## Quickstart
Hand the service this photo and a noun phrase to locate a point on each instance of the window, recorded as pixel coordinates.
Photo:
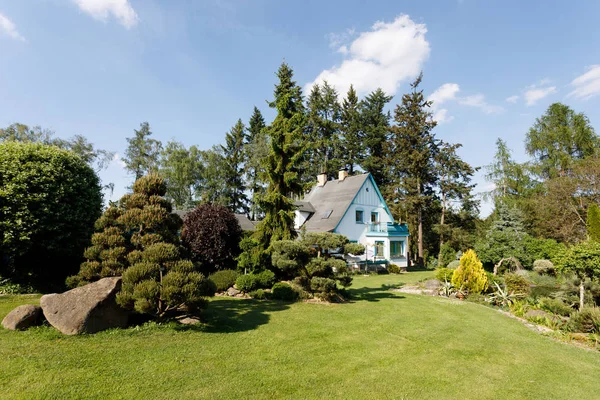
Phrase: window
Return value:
(396, 249)
(359, 216)
(326, 214)
(378, 249)
(374, 217)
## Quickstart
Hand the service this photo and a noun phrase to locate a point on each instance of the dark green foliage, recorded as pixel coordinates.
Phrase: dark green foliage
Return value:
(224, 279)
(355, 249)
(250, 282)
(290, 256)
(582, 260)
(232, 173)
(142, 154)
(447, 255)
(322, 285)
(393, 269)
(250, 259)
(49, 200)
(444, 274)
(544, 267)
(555, 306)
(182, 169)
(587, 320)
(593, 222)
(258, 294)
(517, 283)
(256, 148)
(265, 278)
(212, 235)
(352, 132)
(283, 291)
(541, 249)
(375, 128)
(281, 164)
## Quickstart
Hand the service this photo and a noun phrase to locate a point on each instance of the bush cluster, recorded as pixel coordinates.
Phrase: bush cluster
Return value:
(555, 306)
(544, 267)
(251, 282)
(393, 269)
(444, 274)
(224, 279)
(470, 274)
(517, 283)
(283, 291)
(586, 320)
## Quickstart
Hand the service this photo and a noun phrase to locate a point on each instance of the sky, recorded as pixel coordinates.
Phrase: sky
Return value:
(99, 68)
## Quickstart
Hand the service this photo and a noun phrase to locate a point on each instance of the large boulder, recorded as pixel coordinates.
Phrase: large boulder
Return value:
(90, 308)
(23, 317)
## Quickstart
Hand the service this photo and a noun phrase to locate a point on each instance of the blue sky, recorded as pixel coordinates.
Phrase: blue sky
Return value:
(192, 68)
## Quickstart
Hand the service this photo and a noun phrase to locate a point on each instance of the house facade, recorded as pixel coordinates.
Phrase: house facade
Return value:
(354, 207)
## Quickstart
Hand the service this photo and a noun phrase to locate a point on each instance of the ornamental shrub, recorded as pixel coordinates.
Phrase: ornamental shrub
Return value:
(49, 200)
(555, 306)
(447, 254)
(264, 279)
(393, 269)
(212, 234)
(517, 283)
(283, 291)
(587, 320)
(246, 283)
(137, 238)
(470, 274)
(444, 274)
(544, 267)
(258, 294)
(223, 279)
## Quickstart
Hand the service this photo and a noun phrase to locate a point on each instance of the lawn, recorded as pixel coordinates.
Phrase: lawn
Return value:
(381, 345)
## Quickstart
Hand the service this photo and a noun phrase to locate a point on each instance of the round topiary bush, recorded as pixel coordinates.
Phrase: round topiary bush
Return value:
(224, 279)
(283, 291)
(517, 283)
(212, 234)
(544, 267)
(49, 200)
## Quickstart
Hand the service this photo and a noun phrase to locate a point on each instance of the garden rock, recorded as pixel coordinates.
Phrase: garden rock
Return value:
(537, 314)
(86, 309)
(431, 284)
(232, 292)
(23, 317)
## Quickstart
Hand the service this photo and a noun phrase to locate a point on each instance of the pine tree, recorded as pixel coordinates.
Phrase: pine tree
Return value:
(351, 131)
(281, 165)
(470, 274)
(593, 222)
(142, 154)
(375, 123)
(233, 172)
(256, 150)
(412, 149)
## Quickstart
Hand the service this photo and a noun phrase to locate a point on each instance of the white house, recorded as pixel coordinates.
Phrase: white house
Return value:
(353, 206)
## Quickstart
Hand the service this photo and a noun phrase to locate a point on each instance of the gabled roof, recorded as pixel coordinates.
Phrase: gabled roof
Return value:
(331, 201)
(304, 206)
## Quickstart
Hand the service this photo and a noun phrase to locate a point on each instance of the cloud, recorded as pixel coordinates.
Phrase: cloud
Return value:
(102, 9)
(588, 84)
(9, 28)
(536, 92)
(446, 92)
(441, 116)
(385, 56)
(118, 160)
(478, 101)
(512, 99)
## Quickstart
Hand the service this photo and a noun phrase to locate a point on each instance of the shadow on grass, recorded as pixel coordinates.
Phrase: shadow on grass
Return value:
(239, 315)
(372, 294)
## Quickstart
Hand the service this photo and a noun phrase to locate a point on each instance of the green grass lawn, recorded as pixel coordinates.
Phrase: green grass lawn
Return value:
(381, 345)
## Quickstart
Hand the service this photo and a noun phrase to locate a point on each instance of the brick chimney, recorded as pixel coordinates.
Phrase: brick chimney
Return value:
(321, 179)
(342, 174)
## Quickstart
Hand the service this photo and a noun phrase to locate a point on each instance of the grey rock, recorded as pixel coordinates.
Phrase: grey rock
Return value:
(232, 292)
(86, 309)
(23, 317)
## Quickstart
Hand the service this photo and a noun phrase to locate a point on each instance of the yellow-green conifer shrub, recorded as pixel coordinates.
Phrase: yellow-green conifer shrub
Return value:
(470, 274)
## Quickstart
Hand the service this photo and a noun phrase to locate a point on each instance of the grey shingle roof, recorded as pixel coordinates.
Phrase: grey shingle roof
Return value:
(304, 206)
(331, 201)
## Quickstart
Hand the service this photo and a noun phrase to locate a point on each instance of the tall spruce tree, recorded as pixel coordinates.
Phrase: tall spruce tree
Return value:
(351, 132)
(412, 149)
(233, 172)
(143, 153)
(454, 184)
(323, 133)
(375, 124)
(281, 165)
(256, 150)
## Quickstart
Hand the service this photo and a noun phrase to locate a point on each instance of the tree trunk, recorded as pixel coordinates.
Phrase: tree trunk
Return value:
(581, 293)
(420, 226)
(442, 230)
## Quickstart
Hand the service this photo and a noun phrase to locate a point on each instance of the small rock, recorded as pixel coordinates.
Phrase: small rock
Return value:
(23, 317)
(90, 308)
(189, 321)
(232, 292)
(432, 284)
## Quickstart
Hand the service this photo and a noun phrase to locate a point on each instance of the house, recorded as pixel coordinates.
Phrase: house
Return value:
(354, 207)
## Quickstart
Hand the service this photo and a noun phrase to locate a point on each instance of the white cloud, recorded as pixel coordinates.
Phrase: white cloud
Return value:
(478, 101)
(118, 160)
(385, 56)
(538, 91)
(512, 99)
(444, 93)
(588, 84)
(9, 28)
(441, 116)
(102, 9)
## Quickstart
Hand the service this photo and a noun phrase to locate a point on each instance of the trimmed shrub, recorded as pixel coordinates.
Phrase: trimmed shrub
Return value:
(517, 283)
(544, 267)
(447, 254)
(283, 291)
(49, 200)
(453, 265)
(587, 320)
(555, 306)
(323, 285)
(356, 249)
(258, 294)
(470, 274)
(393, 269)
(444, 274)
(265, 279)
(224, 279)
(246, 283)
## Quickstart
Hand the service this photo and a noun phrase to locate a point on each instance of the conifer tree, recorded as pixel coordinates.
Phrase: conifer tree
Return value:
(375, 124)
(233, 172)
(593, 222)
(470, 274)
(142, 154)
(256, 150)
(351, 131)
(281, 165)
(412, 149)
